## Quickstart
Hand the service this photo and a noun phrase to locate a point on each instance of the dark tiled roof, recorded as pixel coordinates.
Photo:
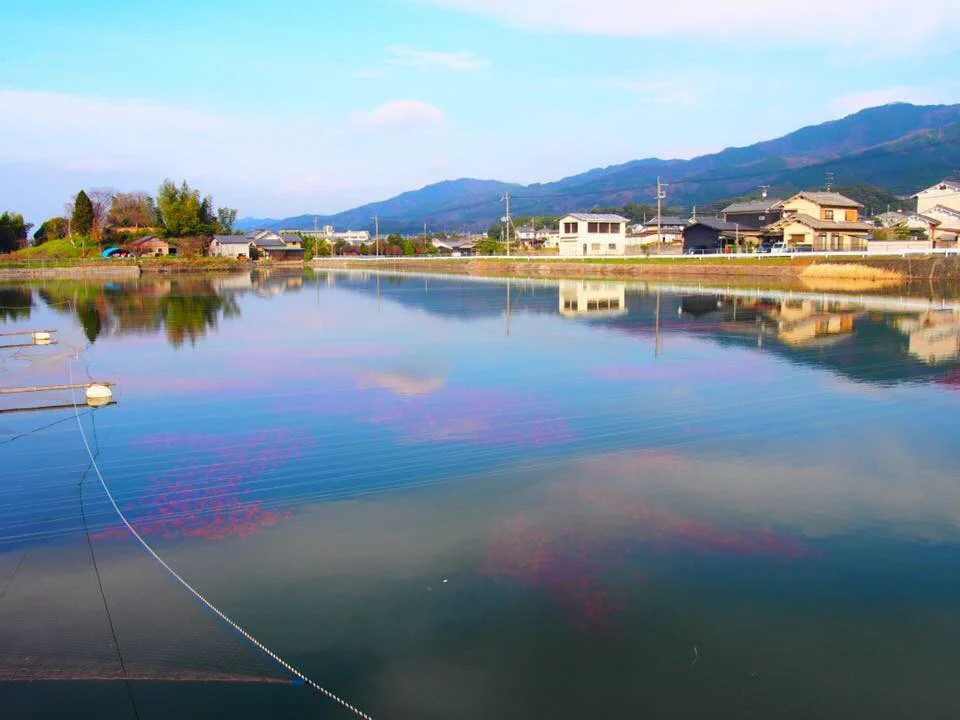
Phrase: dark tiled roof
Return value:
(232, 239)
(714, 224)
(753, 206)
(666, 220)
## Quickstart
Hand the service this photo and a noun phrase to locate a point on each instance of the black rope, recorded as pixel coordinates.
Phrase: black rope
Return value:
(96, 568)
(9, 582)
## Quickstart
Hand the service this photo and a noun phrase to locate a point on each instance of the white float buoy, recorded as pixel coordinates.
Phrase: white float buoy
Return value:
(39, 336)
(98, 392)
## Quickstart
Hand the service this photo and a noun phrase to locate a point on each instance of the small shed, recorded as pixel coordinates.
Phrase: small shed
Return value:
(151, 245)
(708, 235)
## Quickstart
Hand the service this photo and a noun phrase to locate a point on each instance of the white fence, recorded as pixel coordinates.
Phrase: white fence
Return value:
(900, 253)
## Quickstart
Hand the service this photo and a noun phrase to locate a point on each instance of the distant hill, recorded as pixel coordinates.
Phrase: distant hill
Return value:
(899, 148)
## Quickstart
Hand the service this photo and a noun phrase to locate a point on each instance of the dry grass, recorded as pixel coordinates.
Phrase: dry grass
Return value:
(850, 271)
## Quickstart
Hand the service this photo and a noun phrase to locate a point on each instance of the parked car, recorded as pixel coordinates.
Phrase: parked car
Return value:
(779, 248)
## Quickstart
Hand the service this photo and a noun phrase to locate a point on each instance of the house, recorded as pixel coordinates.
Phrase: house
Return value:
(456, 247)
(945, 193)
(151, 246)
(585, 298)
(592, 235)
(535, 236)
(822, 221)
(948, 230)
(291, 240)
(708, 235)
(232, 246)
(890, 219)
(271, 246)
(671, 230)
(328, 233)
(754, 214)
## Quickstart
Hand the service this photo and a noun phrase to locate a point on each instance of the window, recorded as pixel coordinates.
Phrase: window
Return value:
(592, 227)
(852, 216)
(605, 228)
(827, 215)
(612, 246)
(595, 247)
(615, 228)
(571, 228)
(762, 217)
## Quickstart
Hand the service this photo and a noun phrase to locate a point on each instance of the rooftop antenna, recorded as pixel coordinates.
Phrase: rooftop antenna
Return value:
(764, 191)
(829, 181)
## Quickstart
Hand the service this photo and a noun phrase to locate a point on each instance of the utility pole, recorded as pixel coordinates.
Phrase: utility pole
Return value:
(661, 195)
(506, 199)
(376, 230)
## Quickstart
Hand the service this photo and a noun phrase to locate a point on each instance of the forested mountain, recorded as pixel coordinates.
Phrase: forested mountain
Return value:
(898, 148)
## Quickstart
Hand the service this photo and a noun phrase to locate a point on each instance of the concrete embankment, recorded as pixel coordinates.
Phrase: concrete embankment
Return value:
(75, 272)
(929, 268)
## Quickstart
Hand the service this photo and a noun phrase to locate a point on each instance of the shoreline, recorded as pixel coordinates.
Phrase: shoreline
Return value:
(886, 270)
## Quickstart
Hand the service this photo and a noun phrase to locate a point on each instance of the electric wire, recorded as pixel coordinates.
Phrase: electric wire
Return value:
(213, 608)
(103, 596)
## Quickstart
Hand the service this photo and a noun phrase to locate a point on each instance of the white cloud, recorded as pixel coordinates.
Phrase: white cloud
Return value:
(461, 60)
(845, 22)
(672, 91)
(918, 94)
(400, 114)
(57, 142)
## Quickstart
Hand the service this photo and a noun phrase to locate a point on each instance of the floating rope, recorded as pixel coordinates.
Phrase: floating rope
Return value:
(196, 593)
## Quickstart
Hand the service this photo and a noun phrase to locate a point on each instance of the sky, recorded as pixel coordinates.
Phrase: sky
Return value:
(316, 106)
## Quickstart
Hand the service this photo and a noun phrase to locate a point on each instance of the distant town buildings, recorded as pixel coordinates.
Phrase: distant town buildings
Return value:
(328, 233)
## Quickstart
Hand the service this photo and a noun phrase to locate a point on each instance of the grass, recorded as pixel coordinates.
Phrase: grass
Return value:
(55, 250)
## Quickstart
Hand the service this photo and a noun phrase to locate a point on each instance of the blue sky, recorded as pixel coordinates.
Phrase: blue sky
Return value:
(316, 106)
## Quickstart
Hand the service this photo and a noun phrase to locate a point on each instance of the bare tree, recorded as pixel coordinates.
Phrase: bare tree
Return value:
(133, 209)
(102, 199)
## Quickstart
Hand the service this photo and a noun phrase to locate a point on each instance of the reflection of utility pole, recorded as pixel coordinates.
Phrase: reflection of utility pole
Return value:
(378, 292)
(656, 342)
(508, 306)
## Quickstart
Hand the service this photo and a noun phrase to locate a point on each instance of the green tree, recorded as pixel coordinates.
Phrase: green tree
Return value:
(82, 221)
(226, 217)
(13, 231)
(52, 229)
(182, 212)
(490, 246)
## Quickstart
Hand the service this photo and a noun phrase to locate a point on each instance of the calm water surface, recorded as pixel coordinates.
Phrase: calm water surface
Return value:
(446, 498)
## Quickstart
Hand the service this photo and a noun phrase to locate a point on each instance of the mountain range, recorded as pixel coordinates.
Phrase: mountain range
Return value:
(899, 148)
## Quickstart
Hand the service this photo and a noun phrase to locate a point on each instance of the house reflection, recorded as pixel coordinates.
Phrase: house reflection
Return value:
(934, 336)
(808, 323)
(580, 298)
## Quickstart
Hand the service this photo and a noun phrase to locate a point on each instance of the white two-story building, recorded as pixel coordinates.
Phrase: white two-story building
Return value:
(592, 235)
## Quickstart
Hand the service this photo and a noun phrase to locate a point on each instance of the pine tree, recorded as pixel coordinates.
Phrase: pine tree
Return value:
(82, 221)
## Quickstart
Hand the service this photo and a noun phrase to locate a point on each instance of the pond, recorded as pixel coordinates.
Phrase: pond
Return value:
(443, 497)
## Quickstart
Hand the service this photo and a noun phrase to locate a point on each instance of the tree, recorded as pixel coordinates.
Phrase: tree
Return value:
(132, 209)
(226, 217)
(182, 212)
(101, 199)
(13, 231)
(81, 223)
(489, 246)
(52, 229)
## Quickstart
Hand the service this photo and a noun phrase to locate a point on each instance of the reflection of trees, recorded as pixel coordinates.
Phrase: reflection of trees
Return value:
(15, 303)
(184, 309)
(187, 316)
